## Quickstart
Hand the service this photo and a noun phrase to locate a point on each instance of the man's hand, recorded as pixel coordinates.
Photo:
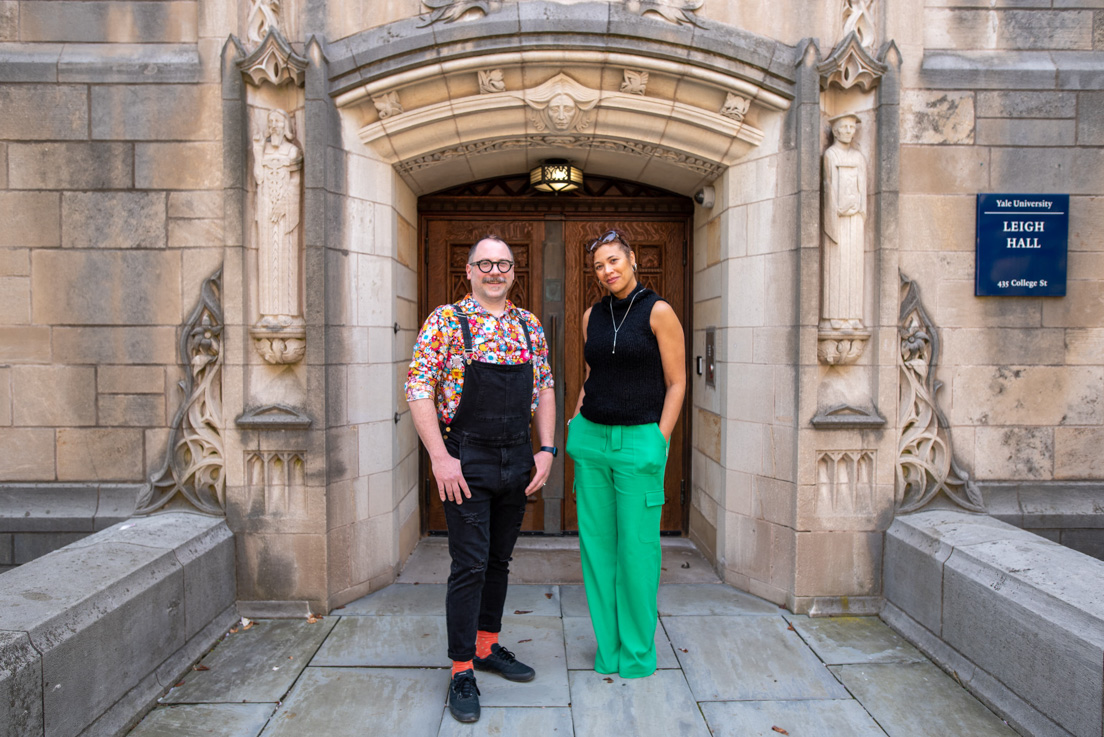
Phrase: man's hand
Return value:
(450, 479)
(543, 461)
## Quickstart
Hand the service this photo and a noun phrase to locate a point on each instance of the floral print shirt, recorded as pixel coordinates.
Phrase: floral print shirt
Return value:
(437, 371)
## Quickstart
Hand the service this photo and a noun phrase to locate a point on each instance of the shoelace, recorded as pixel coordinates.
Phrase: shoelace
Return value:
(506, 654)
(464, 685)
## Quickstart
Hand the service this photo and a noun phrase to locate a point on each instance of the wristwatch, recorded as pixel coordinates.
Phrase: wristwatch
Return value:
(549, 449)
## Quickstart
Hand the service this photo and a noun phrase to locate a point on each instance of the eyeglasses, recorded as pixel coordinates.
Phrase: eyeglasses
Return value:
(486, 265)
(608, 237)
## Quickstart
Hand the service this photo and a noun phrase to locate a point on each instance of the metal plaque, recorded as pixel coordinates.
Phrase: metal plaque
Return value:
(1022, 242)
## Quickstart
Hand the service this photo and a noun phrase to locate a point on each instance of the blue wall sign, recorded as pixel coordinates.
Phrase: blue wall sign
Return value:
(1022, 241)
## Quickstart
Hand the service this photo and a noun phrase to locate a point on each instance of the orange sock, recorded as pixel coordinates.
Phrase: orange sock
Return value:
(459, 666)
(483, 642)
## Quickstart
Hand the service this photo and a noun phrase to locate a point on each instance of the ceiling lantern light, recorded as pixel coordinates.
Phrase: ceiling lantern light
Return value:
(556, 175)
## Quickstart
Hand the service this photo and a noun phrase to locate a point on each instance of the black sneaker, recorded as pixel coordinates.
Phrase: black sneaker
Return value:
(503, 662)
(463, 697)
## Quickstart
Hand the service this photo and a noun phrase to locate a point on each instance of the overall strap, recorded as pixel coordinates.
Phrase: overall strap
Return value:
(528, 340)
(466, 330)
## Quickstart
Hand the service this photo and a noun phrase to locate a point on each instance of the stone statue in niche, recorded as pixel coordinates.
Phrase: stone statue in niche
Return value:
(277, 172)
(561, 104)
(842, 333)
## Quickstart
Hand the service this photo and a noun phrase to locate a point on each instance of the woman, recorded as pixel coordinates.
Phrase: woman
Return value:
(619, 438)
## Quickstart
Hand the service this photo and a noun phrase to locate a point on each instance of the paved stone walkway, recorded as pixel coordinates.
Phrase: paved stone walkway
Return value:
(730, 665)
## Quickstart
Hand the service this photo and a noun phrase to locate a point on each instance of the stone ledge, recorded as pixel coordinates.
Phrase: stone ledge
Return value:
(1014, 70)
(100, 63)
(1022, 618)
(112, 621)
(65, 507)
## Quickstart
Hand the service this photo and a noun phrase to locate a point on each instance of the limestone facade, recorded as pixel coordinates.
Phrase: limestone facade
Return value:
(127, 180)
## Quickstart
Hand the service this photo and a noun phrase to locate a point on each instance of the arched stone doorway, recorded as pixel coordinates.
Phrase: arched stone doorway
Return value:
(547, 234)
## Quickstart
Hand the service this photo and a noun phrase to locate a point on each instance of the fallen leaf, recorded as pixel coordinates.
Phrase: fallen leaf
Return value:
(246, 623)
(200, 667)
(684, 649)
(339, 607)
(607, 679)
(685, 565)
(314, 618)
(523, 611)
(779, 730)
(233, 630)
(548, 596)
(791, 628)
(663, 569)
(528, 640)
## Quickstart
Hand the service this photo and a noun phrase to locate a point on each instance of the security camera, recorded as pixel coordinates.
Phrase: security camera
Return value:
(705, 197)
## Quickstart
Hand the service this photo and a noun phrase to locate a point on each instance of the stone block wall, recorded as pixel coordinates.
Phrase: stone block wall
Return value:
(1006, 100)
(109, 133)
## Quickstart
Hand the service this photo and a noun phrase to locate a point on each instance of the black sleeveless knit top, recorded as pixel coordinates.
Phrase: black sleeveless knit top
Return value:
(625, 386)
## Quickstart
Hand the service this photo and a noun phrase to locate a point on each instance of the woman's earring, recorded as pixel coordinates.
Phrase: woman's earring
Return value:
(634, 268)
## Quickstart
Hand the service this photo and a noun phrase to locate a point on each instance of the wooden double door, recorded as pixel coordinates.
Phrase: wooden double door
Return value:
(555, 281)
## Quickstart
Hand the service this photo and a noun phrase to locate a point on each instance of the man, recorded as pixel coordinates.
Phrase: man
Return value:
(479, 375)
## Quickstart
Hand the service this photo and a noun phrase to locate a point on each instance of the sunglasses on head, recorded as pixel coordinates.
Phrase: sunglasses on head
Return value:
(608, 237)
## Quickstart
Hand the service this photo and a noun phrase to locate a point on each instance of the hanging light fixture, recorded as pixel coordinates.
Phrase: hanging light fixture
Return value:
(556, 175)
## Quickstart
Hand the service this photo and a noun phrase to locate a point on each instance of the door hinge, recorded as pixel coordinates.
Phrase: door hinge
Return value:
(685, 252)
(425, 247)
(682, 492)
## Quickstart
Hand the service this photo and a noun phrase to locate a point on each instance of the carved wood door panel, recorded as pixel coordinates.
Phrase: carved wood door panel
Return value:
(660, 248)
(447, 242)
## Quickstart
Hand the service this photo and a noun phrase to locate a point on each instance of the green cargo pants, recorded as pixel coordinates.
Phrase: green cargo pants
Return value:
(619, 498)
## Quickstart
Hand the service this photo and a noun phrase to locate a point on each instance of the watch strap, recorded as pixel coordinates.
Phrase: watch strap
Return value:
(549, 449)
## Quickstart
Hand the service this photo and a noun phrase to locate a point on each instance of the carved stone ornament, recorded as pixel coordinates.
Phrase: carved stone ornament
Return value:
(263, 16)
(695, 164)
(841, 334)
(452, 10)
(280, 333)
(925, 462)
(858, 18)
(273, 61)
(845, 483)
(674, 11)
(193, 476)
(851, 65)
(387, 104)
(735, 107)
(562, 105)
(491, 81)
(635, 82)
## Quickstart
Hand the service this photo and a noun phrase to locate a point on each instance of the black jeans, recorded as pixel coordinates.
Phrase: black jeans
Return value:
(481, 534)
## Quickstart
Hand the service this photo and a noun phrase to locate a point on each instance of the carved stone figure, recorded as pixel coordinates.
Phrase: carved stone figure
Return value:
(277, 172)
(635, 82)
(387, 104)
(844, 228)
(735, 107)
(561, 104)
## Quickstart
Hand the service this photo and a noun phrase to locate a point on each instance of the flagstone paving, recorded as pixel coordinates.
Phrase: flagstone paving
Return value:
(730, 665)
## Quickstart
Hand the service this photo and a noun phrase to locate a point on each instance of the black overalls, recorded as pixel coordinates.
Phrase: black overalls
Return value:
(491, 436)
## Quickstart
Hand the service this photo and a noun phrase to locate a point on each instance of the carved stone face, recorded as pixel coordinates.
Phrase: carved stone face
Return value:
(276, 127)
(844, 129)
(561, 112)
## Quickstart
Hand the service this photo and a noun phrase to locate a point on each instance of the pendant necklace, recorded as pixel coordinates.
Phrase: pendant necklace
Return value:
(617, 327)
